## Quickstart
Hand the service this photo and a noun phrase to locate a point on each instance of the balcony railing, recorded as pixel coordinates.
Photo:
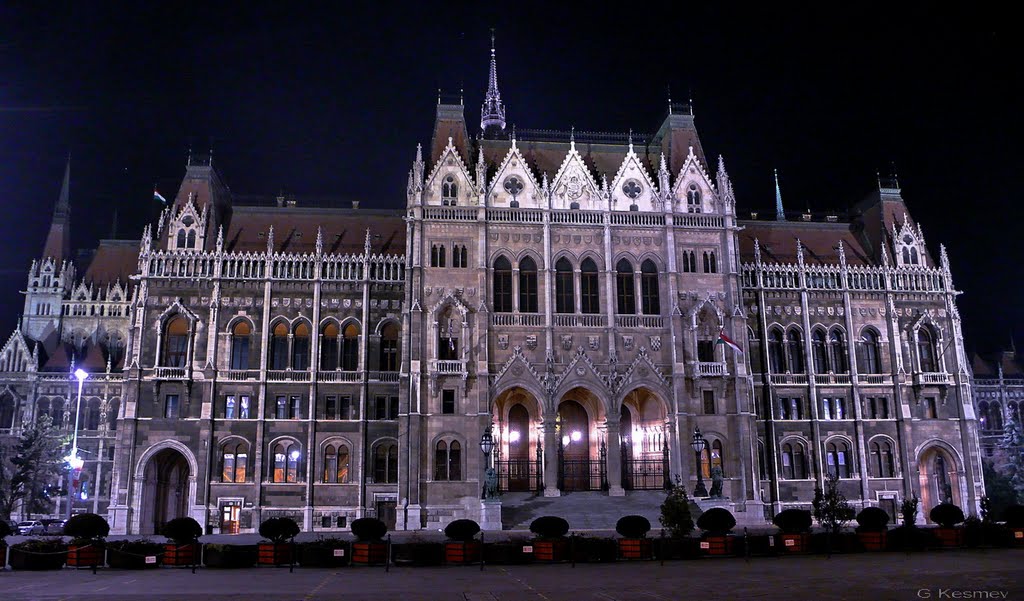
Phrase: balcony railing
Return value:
(710, 368)
(338, 376)
(581, 321)
(639, 321)
(287, 375)
(170, 373)
(239, 375)
(874, 379)
(840, 379)
(923, 378)
(790, 379)
(384, 376)
(450, 367)
(517, 319)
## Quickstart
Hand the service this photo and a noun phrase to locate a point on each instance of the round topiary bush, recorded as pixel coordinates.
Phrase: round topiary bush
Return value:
(5, 530)
(1013, 515)
(549, 526)
(633, 526)
(462, 530)
(369, 529)
(279, 530)
(872, 519)
(183, 530)
(716, 520)
(947, 515)
(86, 526)
(793, 521)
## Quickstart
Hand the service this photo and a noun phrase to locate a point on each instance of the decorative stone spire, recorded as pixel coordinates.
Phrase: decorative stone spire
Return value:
(58, 241)
(418, 167)
(481, 170)
(366, 244)
(757, 251)
(799, 252)
(270, 241)
(220, 238)
(780, 213)
(842, 253)
(319, 240)
(663, 176)
(943, 258)
(492, 114)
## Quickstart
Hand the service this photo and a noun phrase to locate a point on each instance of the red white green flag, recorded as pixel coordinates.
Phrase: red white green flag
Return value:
(723, 339)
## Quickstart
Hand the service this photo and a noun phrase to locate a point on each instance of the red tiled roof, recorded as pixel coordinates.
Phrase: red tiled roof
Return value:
(115, 260)
(820, 241)
(343, 230)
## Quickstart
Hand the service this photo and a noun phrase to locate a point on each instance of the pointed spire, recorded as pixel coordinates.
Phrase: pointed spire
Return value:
(780, 213)
(663, 175)
(842, 253)
(270, 241)
(943, 258)
(631, 140)
(757, 251)
(492, 114)
(58, 241)
(572, 138)
(319, 240)
(220, 238)
(366, 244)
(799, 252)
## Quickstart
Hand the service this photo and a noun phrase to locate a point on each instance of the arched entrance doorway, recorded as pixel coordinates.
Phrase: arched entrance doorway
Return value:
(518, 451)
(165, 490)
(938, 474)
(643, 443)
(582, 464)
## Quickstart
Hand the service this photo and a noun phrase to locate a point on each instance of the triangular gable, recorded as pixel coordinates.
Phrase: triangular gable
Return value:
(514, 165)
(455, 301)
(177, 307)
(693, 171)
(581, 358)
(633, 170)
(644, 359)
(15, 354)
(450, 161)
(575, 184)
(518, 356)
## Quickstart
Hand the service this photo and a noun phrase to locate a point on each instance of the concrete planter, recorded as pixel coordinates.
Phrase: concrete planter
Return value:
(636, 548)
(793, 543)
(872, 540)
(462, 552)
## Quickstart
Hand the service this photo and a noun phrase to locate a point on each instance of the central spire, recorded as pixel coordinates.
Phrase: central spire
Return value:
(492, 114)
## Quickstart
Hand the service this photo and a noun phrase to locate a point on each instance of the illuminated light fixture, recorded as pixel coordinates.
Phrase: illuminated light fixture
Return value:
(81, 374)
(295, 454)
(84, 496)
(577, 436)
(565, 441)
(75, 462)
(513, 436)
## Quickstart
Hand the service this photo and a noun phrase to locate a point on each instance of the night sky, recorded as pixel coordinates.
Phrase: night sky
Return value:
(331, 106)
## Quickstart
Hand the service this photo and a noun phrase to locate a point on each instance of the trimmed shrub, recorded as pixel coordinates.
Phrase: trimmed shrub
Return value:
(908, 511)
(39, 554)
(279, 530)
(716, 521)
(549, 526)
(793, 521)
(5, 530)
(86, 527)
(369, 529)
(947, 515)
(633, 526)
(1014, 516)
(183, 530)
(872, 519)
(675, 512)
(462, 530)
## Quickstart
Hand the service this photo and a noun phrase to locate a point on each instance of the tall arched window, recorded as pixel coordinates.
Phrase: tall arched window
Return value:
(191, 241)
(180, 239)
(300, 347)
(279, 346)
(872, 359)
(113, 407)
(717, 456)
(995, 416)
(336, 464)
(6, 412)
(650, 298)
(624, 288)
(234, 462)
(389, 347)
(689, 261)
(794, 465)
(448, 460)
(794, 351)
(176, 342)
(449, 191)
(837, 352)
(527, 286)
(882, 464)
(565, 288)
(92, 416)
(837, 459)
(502, 285)
(329, 347)
(240, 336)
(926, 350)
(776, 351)
(286, 456)
(385, 463)
(693, 199)
(589, 301)
(818, 351)
(350, 348)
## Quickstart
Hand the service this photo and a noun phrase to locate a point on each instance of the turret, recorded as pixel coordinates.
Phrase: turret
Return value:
(492, 114)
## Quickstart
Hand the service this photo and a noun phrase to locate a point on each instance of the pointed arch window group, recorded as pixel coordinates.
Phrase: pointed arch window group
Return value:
(525, 297)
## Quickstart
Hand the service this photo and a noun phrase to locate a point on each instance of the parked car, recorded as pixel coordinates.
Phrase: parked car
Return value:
(27, 526)
(48, 526)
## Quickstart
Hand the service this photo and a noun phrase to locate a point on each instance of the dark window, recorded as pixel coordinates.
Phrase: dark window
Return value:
(281, 408)
(776, 356)
(565, 297)
(341, 521)
(329, 347)
(527, 286)
(279, 347)
(171, 406)
(926, 351)
(350, 348)
(650, 303)
(624, 288)
(837, 459)
(380, 406)
(882, 464)
(393, 407)
(441, 460)
(92, 418)
(872, 360)
(336, 464)
(502, 285)
(448, 402)
(589, 302)
(240, 335)
(795, 351)
(705, 351)
(389, 348)
(385, 464)
(818, 351)
(300, 347)
(449, 191)
(331, 407)
(345, 408)
(837, 352)
(181, 239)
(709, 402)
(176, 342)
(447, 339)
(930, 409)
(448, 461)
(295, 407)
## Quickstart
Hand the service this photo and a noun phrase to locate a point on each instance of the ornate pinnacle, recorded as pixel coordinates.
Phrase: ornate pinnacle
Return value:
(492, 114)
(366, 245)
(220, 238)
(757, 251)
(270, 241)
(943, 258)
(842, 253)
(780, 213)
(799, 252)
(319, 240)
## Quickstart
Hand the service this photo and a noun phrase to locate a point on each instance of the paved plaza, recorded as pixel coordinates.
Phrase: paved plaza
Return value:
(992, 574)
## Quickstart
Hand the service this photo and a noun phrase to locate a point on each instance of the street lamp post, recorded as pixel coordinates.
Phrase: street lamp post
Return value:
(698, 444)
(75, 462)
(487, 447)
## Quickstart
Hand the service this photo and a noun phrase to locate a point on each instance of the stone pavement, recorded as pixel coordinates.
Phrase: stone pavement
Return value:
(990, 574)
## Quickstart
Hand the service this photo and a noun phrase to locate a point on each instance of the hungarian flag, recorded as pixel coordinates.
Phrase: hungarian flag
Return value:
(157, 196)
(723, 339)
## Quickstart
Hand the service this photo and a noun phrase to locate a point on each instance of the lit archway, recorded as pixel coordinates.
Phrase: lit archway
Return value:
(939, 477)
(165, 490)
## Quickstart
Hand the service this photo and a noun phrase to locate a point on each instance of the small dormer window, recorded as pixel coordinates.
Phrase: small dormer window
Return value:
(907, 251)
(449, 191)
(693, 199)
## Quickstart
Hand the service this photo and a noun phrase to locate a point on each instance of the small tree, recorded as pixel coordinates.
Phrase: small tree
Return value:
(1009, 458)
(830, 506)
(908, 512)
(675, 512)
(29, 466)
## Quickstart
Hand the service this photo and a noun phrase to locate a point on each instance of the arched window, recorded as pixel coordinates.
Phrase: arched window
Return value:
(449, 191)
(286, 461)
(235, 462)
(240, 335)
(113, 407)
(176, 342)
(926, 350)
(837, 352)
(502, 285)
(589, 302)
(389, 347)
(707, 263)
(794, 351)
(6, 412)
(191, 242)
(385, 463)
(794, 466)
(459, 256)
(872, 359)
(837, 459)
(92, 416)
(300, 347)
(650, 299)
(527, 286)
(279, 347)
(448, 460)
(717, 456)
(350, 348)
(776, 354)
(442, 255)
(818, 351)
(565, 288)
(624, 288)
(180, 239)
(882, 464)
(913, 256)
(693, 199)
(689, 261)
(329, 347)
(995, 416)
(336, 464)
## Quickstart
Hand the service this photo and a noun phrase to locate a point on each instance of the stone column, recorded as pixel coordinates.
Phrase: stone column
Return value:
(550, 457)
(614, 466)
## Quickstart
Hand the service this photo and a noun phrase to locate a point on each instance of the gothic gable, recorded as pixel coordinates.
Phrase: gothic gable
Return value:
(514, 183)
(632, 187)
(574, 186)
(449, 182)
(694, 192)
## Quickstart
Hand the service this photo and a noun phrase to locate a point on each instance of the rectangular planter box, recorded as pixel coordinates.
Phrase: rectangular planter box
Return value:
(229, 556)
(550, 550)
(793, 543)
(132, 561)
(594, 550)
(717, 545)
(510, 553)
(181, 555)
(274, 554)
(872, 540)
(314, 556)
(636, 548)
(461, 553)
(369, 554)
(949, 537)
(24, 560)
(85, 556)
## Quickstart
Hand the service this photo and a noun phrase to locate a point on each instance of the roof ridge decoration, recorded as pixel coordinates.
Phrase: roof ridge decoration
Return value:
(574, 190)
(725, 184)
(580, 355)
(16, 342)
(664, 179)
(450, 149)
